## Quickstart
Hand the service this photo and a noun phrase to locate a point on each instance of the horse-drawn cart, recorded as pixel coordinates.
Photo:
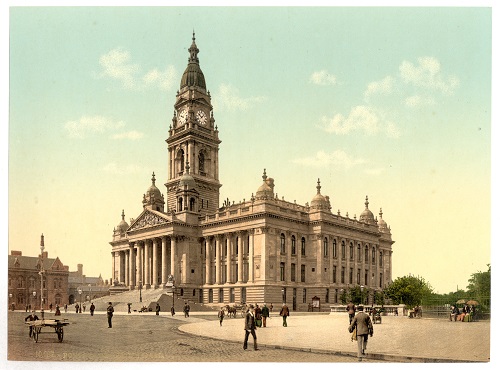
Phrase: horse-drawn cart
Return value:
(57, 325)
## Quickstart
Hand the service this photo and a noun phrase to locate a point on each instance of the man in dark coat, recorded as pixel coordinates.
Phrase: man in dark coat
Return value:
(157, 309)
(250, 328)
(186, 309)
(285, 312)
(351, 310)
(31, 317)
(364, 327)
(92, 309)
(109, 313)
(265, 314)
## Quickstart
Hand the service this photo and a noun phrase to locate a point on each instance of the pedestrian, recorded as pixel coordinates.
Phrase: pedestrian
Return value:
(364, 327)
(65, 308)
(77, 307)
(26, 308)
(58, 311)
(285, 313)
(84, 306)
(172, 310)
(250, 328)
(50, 307)
(31, 317)
(351, 310)
(157, 309)
(129, 305)
(109, 312)
(221, 315)
(271, 308)
(265, 314)
(186, 309)
(92, 309)
(258, 316)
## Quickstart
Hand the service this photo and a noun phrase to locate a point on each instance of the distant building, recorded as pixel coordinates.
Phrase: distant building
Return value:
(24, 279)
(91, 287)
(260, 249)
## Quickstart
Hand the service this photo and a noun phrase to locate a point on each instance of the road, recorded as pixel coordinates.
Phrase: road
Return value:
(139, 338)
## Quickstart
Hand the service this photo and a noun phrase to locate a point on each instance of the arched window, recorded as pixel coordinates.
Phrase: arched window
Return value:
(282, 244)
(192, 203)
(381, 259)
(325, 247)
(351, 251)
(180, 160)
(293, 245)
(303, 246)
(373, 255)
(201, 162)
(366, 253)
(343, 250)
(359, 252)
(179, 202)
(334, 251)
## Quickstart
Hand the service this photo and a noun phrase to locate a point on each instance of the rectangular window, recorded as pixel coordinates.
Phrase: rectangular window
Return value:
(221, 295)
(303, 247)
(293, 246)
(325, 248)
(334, 274)
(304, 295)
(366, 277)
(342, 275)
(381, 259)
(210, 296)
(334, 251)
(358, 277)
(302, 273)
(282, 271)
(380, 281)
(350, 275)
(292, 272)
(327, 296)
(231, 295)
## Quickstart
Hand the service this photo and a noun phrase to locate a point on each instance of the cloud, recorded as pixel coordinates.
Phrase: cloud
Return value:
(323, 78)
(417, 100)
(130, 169)
(427, 73)
(336, 160)
(384, 86)
(374, 171)
(228, 99)
(89, 125)
(129, 135)
(116, 64)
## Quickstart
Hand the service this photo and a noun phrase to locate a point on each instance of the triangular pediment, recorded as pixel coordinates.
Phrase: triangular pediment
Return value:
(149, 218)
(57, 265)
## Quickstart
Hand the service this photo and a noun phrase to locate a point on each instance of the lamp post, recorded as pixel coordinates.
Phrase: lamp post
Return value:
(42, 247)
(80, 292)
(140, 290)
(90, 292)
(12, 303)
(34, 299)
(362, 287)
(283, 295)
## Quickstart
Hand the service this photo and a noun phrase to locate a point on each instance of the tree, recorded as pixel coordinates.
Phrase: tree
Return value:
(409, 290)
(358, 295)
(480, 286)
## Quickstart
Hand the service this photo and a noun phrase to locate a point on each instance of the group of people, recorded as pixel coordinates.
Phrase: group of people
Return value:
(466, 314)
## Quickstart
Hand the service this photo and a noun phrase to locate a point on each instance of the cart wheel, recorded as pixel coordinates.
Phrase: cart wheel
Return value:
(36, 331)
(60, 334)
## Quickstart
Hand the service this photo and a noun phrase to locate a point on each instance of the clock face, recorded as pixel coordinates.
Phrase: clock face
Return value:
(201, 117)
(182, 117)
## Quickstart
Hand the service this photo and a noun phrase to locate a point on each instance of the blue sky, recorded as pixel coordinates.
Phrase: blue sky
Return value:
(393, 103)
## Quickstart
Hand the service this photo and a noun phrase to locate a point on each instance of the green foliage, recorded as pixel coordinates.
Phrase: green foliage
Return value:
(358, 295)
(409, 290)
(379, 298)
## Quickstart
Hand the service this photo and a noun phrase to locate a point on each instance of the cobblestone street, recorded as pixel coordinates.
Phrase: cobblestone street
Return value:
(139, 338)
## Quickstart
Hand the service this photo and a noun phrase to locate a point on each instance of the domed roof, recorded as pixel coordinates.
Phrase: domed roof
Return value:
(193, 76)
(266, 190)
(382, 225)
(122, 226)
(366, 215)
(153, 191)
(319, 201)
(186, 181)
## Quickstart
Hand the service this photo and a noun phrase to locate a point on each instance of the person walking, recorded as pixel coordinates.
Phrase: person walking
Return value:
(31, 317)
(77, 307)
(58, 311)
(172, 310)
(157, 309)
(92, 309)
(351, 310)
(258, 316)
(265, 315)
(109, 313)
(65, 308)
(250, 328)
(364, 327)
(221, 315)
(285, 313)
(186, 309)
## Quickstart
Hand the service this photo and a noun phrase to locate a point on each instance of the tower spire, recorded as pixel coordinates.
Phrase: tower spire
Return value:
(193, 51)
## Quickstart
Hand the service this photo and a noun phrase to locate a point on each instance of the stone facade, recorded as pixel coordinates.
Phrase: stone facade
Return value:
(263, 249)
(24, 278)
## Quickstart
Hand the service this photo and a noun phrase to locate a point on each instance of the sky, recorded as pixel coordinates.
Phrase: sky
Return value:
(389, 103)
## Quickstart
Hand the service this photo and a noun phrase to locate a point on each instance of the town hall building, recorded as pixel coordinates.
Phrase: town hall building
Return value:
(263, 249)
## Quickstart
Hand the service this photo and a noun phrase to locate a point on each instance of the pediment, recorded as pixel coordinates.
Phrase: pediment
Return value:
(57, 265)
(148, 219)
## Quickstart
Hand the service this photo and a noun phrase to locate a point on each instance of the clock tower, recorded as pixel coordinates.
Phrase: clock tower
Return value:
(193, 142)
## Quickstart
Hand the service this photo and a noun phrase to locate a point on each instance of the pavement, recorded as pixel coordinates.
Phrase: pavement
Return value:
(396, 339)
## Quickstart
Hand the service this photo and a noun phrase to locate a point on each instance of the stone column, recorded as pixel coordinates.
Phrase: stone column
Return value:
(319, 257)
(154, 283)
(113, 263)
(299, 259)
(251, 258)
(217, 241)
(131, 269)
(230, 247)
(164, 271)
(126, 268)
(138, 264)
(288, 268)
(240, 258)
(173, 259)
(207, 260)
(147, 265)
